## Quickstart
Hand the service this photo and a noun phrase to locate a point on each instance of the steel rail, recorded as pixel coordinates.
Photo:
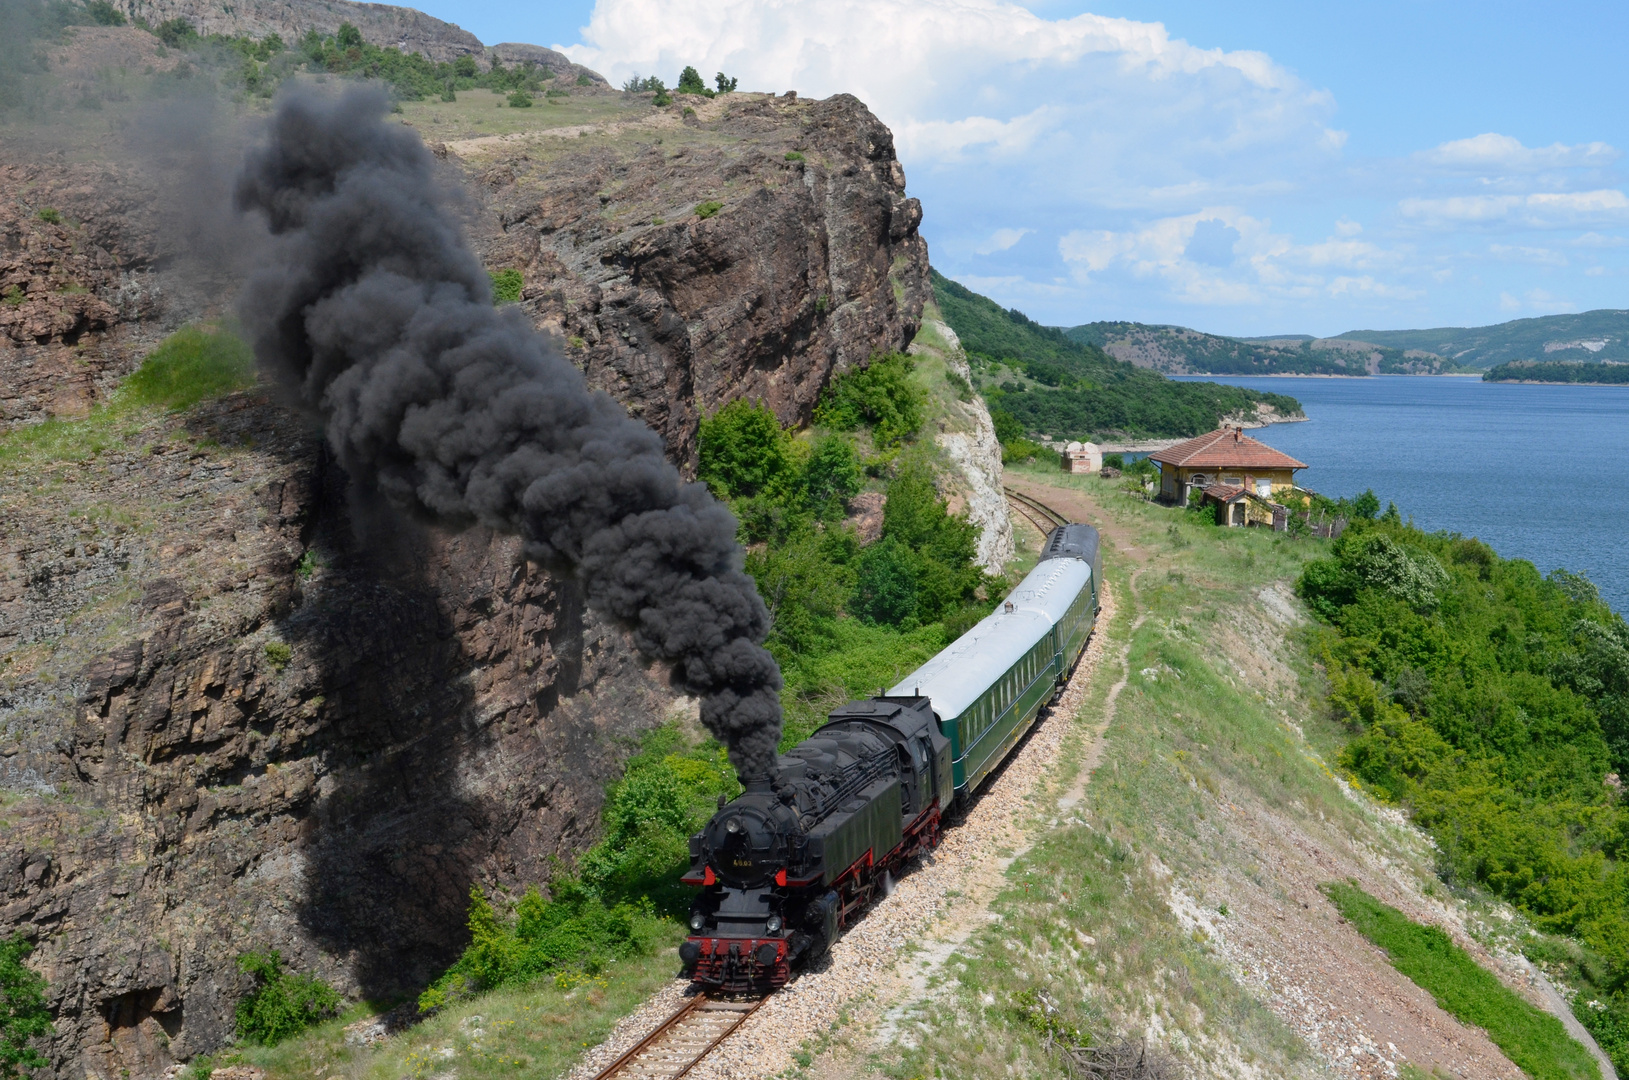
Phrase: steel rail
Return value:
(1036, 505)
(671, 1050)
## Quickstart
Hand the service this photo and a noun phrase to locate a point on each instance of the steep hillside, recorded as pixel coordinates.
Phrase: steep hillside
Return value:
(1060, 388)
(1176, 350)
(387, 25)
(242, 710)
(1591, 336)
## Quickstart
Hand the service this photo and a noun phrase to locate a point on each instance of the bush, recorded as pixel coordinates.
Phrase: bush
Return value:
(726, 85)
(793, 155)
(23, 1012)
(281, 1004)
(176, 33)
(103, 13)
(880, 396)
(742, 451)
(190, 365)
(278, 654)
(708, 209)
(50, 215)
(520, 99)
(506, 286)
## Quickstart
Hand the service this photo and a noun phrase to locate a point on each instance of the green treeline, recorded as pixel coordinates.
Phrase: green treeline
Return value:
(1055, 386)
(1558, 371)
(848, 616)
(1494, 703)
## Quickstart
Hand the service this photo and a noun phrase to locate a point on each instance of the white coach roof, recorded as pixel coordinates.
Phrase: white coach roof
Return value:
(955, 678)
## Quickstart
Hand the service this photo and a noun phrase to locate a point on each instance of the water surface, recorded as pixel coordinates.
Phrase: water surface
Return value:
(1538, 472)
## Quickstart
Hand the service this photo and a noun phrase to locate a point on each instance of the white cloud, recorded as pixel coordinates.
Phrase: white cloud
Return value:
(1509, 303)
(1523, 253)
(1535, 300)
(1115, 105)
(1221, 255)
(1346, 227)
(1002, 240)
(1540, 210)
(1597, 240)
(1503, 154)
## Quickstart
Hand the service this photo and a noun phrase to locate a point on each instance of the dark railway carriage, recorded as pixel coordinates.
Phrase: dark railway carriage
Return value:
(785, 866)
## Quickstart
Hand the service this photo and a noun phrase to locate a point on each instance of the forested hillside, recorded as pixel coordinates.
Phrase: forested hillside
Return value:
(1057, 387)
(1493, 703)
(1589, 336)
(1177, 350)
(1559, 371)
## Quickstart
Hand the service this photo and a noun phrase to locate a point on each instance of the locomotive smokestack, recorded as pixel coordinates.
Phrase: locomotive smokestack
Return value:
(374, 311)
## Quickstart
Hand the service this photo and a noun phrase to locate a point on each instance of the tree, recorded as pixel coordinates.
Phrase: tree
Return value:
(831, 476)
(742, 451)
(348, 37)
(23, 1013)
(464, 67)
(690, 83)
(726, 85)
(880, 396)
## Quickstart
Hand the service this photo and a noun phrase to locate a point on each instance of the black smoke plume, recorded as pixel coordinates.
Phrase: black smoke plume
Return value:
(372, 308)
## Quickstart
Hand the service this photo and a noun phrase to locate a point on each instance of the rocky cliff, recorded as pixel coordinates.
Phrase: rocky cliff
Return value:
(240, 711)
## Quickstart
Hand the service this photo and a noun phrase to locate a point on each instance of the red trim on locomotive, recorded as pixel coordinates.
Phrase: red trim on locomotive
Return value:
(732, 964)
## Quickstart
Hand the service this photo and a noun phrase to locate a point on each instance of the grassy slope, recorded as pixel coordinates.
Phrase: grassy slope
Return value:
(1532, 1039)
(1101, 395)
(1519, 339)
(1087, 919)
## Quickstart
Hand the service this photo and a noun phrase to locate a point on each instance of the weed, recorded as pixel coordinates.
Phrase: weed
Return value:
(13, 296)
(50, 215)
(308, 564)
(190, 365)
(793, 155)
(708, 209)
(278, 655)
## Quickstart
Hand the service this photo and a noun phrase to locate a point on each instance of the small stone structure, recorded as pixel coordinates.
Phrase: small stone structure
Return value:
(1081, 457)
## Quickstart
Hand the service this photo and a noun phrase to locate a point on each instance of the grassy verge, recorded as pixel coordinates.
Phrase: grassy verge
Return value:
(1532, 1039)
(535, 1030)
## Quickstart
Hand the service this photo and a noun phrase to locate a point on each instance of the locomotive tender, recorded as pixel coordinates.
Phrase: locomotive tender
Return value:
(784, 867)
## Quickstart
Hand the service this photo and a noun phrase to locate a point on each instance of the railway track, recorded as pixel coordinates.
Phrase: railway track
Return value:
(1040, 515)
(683, 1040)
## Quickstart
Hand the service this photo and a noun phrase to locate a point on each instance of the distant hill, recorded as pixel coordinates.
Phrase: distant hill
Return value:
(1595, 373)
(1061, 388)
(1592, 336)
(1177, 350)
(385, 25)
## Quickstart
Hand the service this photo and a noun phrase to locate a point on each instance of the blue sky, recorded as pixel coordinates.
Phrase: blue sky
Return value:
(1243, 169)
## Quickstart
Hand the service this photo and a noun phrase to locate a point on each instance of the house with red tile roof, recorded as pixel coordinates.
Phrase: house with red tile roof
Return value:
(1225, 458)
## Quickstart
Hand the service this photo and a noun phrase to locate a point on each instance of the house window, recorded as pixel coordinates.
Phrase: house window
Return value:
(1264, 488)
(1235, 481)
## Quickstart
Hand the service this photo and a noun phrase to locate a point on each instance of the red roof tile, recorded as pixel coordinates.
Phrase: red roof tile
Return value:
(1224, 492)
(1225, 448)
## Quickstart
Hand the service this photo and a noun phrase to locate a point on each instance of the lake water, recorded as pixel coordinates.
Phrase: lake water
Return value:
(1537, 472)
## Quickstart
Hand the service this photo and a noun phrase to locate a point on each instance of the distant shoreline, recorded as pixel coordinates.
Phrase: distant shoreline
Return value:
(1550, 382)
(1309, 375)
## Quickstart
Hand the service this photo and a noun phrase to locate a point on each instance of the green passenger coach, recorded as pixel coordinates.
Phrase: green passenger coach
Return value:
(991, 683)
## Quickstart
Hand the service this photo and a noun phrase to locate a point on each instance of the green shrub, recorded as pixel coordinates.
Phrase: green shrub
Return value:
(282, 1003)
(278, 654)
(558, 93)
(13, 296)
(742, 451)
(190, 365)
(1534, 1040)
(103, 13)
(880, 396)
(50, 215)
(520, 99)
(708, 209)
(506, 286)
(178, 33)
(24, 1016)
(726, 85)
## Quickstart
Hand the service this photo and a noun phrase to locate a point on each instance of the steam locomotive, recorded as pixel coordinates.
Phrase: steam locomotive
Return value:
(785, 866)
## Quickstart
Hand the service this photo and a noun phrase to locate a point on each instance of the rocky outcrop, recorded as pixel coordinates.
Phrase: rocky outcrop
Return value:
(966, 438)
(241, 711)
(747, 246)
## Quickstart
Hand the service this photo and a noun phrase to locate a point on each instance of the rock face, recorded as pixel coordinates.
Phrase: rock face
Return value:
(966, 437)
(240, 712)
(745, 246)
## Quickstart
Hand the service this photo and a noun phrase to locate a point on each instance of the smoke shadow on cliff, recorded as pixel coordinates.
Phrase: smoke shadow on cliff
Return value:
(405, 816)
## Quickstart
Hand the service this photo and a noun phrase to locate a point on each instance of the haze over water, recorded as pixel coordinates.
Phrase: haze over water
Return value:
(1537, 472)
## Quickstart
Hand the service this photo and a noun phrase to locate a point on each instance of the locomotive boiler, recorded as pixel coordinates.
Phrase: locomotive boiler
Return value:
(787, 864)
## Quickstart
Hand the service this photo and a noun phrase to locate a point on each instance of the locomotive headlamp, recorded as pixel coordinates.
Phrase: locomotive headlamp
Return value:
(697, 921)
(733, 825)
(774, 924)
